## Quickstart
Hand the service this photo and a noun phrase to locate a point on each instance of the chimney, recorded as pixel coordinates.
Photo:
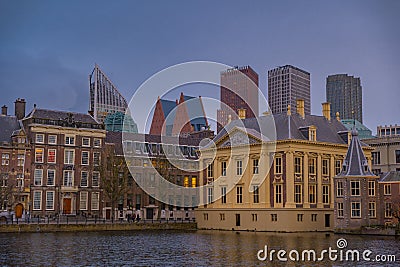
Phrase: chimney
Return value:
(242, 113)
(326, 110)
(20, 108)
(300, 107)
(4, 110)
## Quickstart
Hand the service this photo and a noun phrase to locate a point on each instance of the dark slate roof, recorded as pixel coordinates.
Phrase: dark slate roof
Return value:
(167, 106)
(289, 127)
(195, 111)
(8, 125)
(390, 177)
(57, 115)
(355, 163)
(116, 138)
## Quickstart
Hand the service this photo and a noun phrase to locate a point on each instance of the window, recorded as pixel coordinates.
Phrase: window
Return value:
(311, 166)
(222, 216)
(387, 189)
(299, 217)
(312, 193)
(340, 209)
(223, 168)
(194, 181)
(52, 139)
(83, 200)
(70, 140)
(325, 167)
(388, 210)
(20, 180)
(84, 179)
(210, 192)
(205, 216)
(278, 165)
(68, 178)
(37, 200)
(85, 141)
(313, 217)
(297, 165)
(255, 166)
(256, 194)
(51, 156)
(85, 157)
(355, 188)
(97, 142)
(278, 193)
(372, 209)
(313, 134)
(338, 166)
(5, 159)
(69, 156)
(355, 209)
(210, 170)
(40, 138)
(50, 200)
(397, 153)
(339, 192)
(298, 193)
(371, 188)
(39, 155)
(185, 180)
(37, 177)
(239, 194)
(51, 177)
(96, 159)
(376, 158)
(20, 160)
(274, 217)
(239, 167)
(95, 201)
(254, 217)
(223, 195)
(95, 179)
(325, 194)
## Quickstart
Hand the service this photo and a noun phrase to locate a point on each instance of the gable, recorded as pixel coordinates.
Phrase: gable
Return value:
(237, 138)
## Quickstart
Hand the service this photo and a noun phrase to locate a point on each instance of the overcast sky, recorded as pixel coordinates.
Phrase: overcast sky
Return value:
(48, 48)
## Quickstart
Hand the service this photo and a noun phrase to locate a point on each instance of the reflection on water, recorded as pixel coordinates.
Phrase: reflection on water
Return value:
(170, 248)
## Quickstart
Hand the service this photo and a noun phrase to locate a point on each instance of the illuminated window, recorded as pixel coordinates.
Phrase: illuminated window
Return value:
(186, 181)
(39, 155)
(194, 181)
(51, 156)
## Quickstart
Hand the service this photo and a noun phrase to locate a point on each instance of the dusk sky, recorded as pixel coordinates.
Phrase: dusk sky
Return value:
(48, 48)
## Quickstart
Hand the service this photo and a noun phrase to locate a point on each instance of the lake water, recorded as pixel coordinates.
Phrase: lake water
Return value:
(177, 248)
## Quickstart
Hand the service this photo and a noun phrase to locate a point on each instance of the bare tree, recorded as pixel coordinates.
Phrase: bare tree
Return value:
(7, 188)
(396, 209)
(114, 182)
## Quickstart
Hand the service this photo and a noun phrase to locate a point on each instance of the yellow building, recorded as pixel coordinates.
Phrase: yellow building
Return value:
(253, 183)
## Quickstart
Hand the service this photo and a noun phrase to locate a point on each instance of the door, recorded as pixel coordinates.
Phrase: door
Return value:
(108, 214)
(237, 219)
(149, 214)
(66, 206)
(327, 220)
(19, 208)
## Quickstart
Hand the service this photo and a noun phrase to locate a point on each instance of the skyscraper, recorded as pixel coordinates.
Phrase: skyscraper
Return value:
(286, 84)
(238, 92)
(104, 96)
(344, 92)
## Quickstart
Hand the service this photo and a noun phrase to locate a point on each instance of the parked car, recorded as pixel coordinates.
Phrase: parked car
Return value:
(5, 216)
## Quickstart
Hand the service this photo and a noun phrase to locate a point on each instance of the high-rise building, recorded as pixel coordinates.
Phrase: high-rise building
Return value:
(104, 96)
(344, 92)
(286, 84)
(239, 91)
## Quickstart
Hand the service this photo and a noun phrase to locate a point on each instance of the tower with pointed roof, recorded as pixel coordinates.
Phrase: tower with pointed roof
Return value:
(356, 190)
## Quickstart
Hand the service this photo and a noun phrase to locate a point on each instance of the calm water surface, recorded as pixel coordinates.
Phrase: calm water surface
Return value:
(156, 248)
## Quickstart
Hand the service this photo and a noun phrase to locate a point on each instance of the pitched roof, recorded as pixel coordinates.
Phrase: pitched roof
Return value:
(390, 177)
(290, 127)
(355, 163)
(60, 115)
(8, 125)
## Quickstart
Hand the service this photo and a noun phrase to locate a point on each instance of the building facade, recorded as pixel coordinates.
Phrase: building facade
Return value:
(239, 91)
(65, 163)
(104, 96)
(386, 154)
(344, 92)
(283, 185)
(286, 84)
(15, 167)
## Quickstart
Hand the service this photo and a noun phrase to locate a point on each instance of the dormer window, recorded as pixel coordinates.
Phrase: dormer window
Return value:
(312, 133)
